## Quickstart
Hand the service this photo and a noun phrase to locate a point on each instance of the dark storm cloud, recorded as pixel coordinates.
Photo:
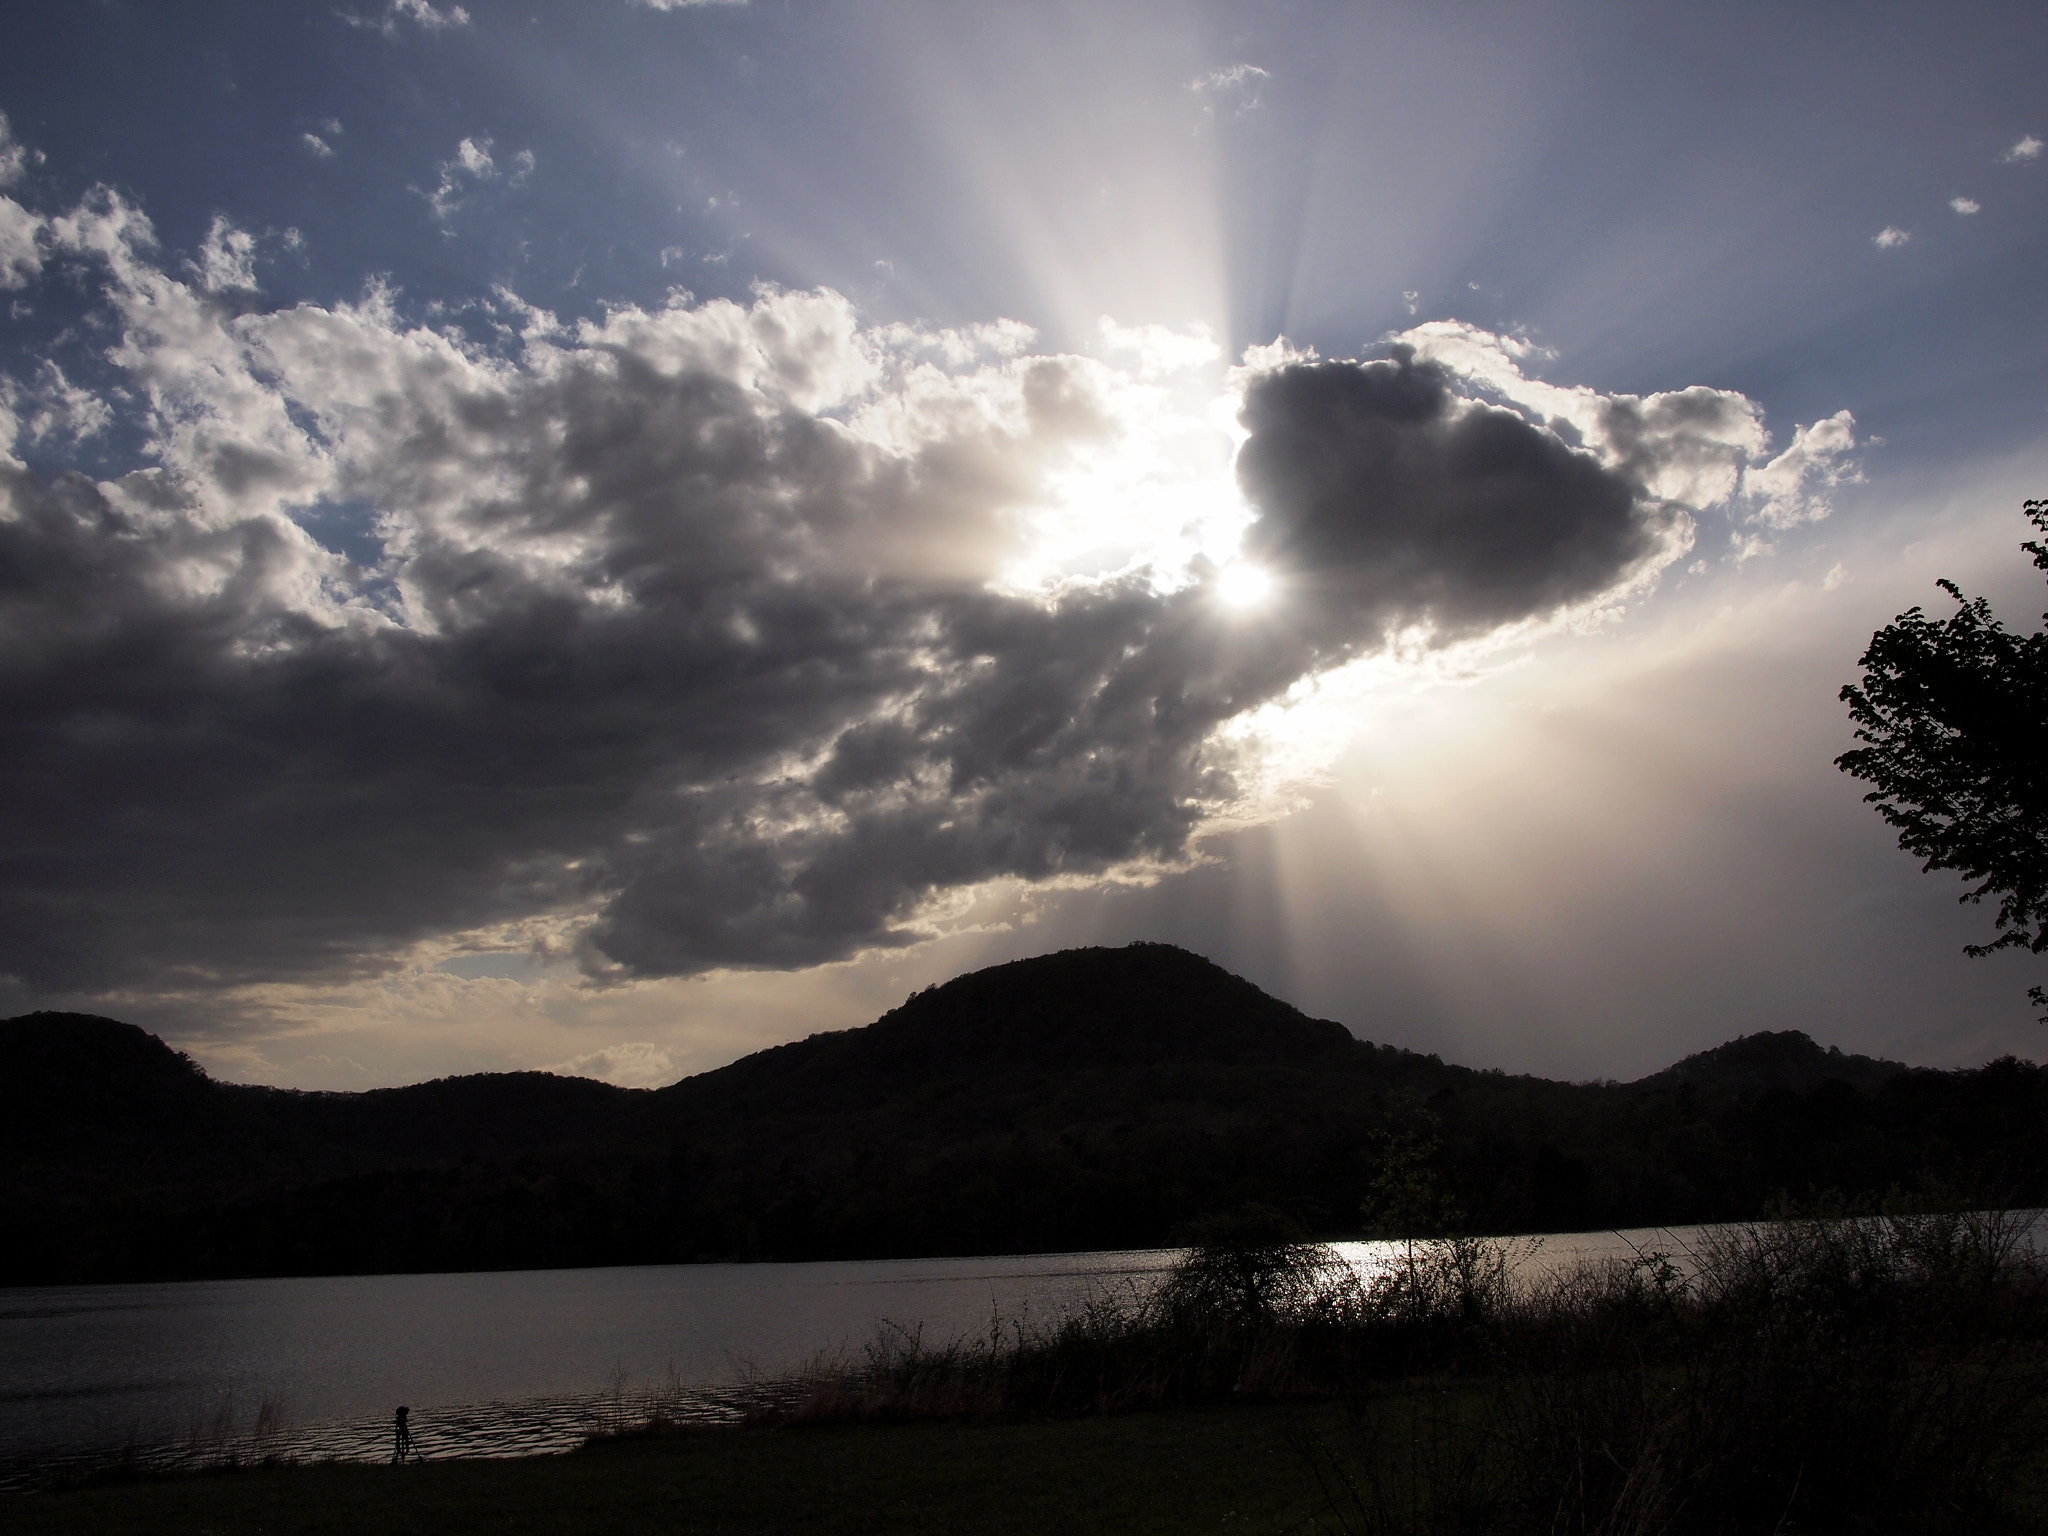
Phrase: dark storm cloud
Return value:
(672, 638)
(1387, 494)
(213, 787)
(1052, 741)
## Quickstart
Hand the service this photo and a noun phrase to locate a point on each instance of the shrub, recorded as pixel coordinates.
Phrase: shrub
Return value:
(1808, 1375)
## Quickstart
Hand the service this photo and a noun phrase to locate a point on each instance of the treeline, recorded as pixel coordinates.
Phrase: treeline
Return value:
(1091, 1099)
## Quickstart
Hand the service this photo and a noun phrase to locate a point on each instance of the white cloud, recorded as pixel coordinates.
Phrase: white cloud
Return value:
(1237, 86)
(420, 13)
(1890, 237)
(316, 146)
(961, 345)
(1263, 357)
(1158, 350)
(684, 5)
(14, 156)
(1965, 205)
(470, 167)
(425, 15)
(20, 260)
(629, 1064)
(1696, 448)
(1686, 447)
(202, 407)
(1797, 485)
(2027, 148)
(227, 258)
(54, 410)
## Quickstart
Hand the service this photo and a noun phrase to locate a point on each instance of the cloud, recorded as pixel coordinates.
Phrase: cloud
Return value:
(630, 1064)
(1965, 205)
(684, 5)
(1797, 485)
(424, 14)
(53, 410)
(689, 638)
(1890, 237)
(316, 146)
(227, 258)
(1238, 87)
(14, 156)
(2027, 148)
(1157, 350)
(420, 13)
(470, 167)
(20, 258)
(1393, 502)
(1692, 449)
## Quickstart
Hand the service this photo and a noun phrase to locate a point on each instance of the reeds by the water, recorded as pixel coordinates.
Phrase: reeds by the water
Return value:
(1887, 1373)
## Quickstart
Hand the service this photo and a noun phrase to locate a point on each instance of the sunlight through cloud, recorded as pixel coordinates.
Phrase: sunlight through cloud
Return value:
(1243, 586)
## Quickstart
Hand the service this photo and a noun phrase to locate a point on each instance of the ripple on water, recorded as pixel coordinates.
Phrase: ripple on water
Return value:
(536, 1427)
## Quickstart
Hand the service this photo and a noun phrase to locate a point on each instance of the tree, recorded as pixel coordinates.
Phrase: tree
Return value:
(1953, 715)
(1250, 1266)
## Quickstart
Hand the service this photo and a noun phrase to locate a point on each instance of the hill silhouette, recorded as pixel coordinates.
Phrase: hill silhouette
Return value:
(1774, 1059)
(1093, 1098)
(1033, 1034)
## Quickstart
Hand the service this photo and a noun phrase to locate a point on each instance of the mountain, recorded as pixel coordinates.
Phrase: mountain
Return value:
(1094, 1098)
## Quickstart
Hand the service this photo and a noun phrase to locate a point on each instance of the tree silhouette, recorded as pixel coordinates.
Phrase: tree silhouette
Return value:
(1953, 715)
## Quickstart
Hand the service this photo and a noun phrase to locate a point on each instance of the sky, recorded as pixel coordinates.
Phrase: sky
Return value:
(603, 536)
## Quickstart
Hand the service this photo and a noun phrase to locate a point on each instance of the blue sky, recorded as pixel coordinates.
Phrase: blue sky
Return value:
(450, 749)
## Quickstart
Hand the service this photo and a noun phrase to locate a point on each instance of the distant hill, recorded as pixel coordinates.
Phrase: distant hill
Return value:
(1092, 1098)
(1773, 1060)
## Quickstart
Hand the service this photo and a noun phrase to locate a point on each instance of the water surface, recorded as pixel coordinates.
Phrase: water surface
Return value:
(496, 1363)
(507, 1363)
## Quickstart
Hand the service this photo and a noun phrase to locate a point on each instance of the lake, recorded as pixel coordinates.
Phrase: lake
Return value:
(506, 1363)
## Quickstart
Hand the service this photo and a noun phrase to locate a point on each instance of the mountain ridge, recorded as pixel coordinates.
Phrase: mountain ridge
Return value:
(1090, 1098)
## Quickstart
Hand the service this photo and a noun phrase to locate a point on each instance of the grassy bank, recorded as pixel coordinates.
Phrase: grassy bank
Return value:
(1820, 1375)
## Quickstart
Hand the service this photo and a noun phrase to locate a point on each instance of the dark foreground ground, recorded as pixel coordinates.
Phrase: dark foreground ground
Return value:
(1217, 1469)
(1258, 1469)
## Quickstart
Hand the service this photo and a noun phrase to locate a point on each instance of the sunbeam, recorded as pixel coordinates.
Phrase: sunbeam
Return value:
(567, 512)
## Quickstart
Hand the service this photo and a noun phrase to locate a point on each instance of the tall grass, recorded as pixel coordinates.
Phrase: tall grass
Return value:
(1236, 1320)
(1804, 1375)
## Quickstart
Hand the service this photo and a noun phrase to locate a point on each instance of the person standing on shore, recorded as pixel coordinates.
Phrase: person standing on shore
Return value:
(401, 1439)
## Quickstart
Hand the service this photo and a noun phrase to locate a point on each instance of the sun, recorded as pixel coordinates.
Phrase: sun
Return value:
(1243, 586)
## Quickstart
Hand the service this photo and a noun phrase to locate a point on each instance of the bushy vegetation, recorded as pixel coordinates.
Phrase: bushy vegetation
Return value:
(1809, 1374)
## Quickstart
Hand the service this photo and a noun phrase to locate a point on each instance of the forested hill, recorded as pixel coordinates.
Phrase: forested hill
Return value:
(1093, 1098)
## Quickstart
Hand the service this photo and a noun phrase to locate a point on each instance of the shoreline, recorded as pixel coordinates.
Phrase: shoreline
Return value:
(1161, 1470)
(1859, 1375)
